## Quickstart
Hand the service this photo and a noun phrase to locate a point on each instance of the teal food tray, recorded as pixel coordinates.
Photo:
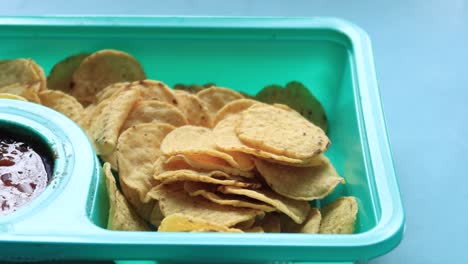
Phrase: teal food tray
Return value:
(330, 56)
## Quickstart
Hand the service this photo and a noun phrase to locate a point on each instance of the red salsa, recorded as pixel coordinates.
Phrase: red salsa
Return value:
(24, 173)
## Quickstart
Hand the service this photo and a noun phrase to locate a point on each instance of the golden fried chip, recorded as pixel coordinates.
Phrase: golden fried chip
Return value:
(214, 177)
(109, 118)
(110, 91)
(297, 210)
(185, 223)
(192, 88)
(281, 132)
(121, 215)
(137, 151)
(199, 140)
(226, 139)
(298, 97)
(155, 90)
(85, 119)
(20, 72)
(271, 223)
(310, 226)
(246, 224)
(300, 183)
(60, 77)
(339, 217)
(63, 103)
(25, 90)
(216, 97)
(233, 107)
(196, 112)
(206, 163)
(12, 96)
(173, 199)
(102, 69)
(208, 192)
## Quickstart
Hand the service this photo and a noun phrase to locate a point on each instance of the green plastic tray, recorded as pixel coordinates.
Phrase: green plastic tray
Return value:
(330, 56)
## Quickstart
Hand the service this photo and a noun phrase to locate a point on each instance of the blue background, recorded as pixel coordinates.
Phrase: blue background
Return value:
(421, 55)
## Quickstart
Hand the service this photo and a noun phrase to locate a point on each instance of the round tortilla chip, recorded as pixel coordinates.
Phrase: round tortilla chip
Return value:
(281, 132)
(26, 90)
(110, 91)
(152, 111)
(207, 162)
(295, 209)
(63, 103)
(216, 97)
(300, 183)
(12, 96)
(185, 223)
(196, 112)
(20, 72)
(339, 217)
(173, 199)
(234, 107)
(60, 77)
(226, 139)
(121, 214)
(199, 140)
(138, 148)
(102, 69)
(155, 90)
(208, 192)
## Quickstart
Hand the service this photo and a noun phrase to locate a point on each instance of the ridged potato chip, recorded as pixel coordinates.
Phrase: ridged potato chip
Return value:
(207, 162)
(298, 97)
(60, 77)
(26, 90)
(63, 103)
(194, 109)
(109, 117)
(173, 199)
(102, 69)
(199, 140)
(339, 217)
(226, 139)
(12, 96)
(300, 183)
(21, 72)
(281, 132)
(297, 210)
(208, 192)
(137, 150)
(234, 107)
(217, 97)
(152, 111)
(185, 223)
(121, 214)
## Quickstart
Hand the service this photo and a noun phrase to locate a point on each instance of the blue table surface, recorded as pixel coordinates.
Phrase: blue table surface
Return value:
(421, 51)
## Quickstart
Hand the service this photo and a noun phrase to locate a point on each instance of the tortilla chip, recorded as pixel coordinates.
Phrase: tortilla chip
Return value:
(109, 117)
(173, 199)
(12, 96)
(226, 139)
(199, 140)
(155, 90)
(281, 132)
(121, 215)
(110, 91)
(208, 192)
(234, 107)
(246, 224)
(216, 97)
(306, 183)
(194, 109)
(310, 226)
(63, 103)
(339, 217)
(25, 90)
(297, 210)
(137, 150)
(20, 72)
(102, 69)
(60, 76)
(298, 97)
(205, 163)
(186, 223)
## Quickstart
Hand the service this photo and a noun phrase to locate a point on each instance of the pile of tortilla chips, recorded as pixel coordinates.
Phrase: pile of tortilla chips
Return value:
(197, 158)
